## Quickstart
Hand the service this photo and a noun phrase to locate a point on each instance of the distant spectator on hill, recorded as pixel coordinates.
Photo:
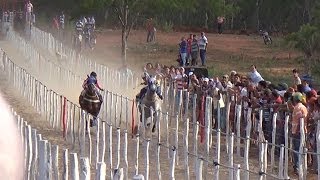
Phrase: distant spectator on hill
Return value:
(189, 42)
(203, 42)
(296, 78)
(220, 21)
(150, 29)
(183, 51)
(194, 50)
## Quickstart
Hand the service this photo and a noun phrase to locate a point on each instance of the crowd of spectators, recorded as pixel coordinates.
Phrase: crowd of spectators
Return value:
(298, 100)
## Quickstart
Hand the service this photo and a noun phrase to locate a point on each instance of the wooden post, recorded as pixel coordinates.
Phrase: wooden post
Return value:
(261, 158)
(85, 168)
(55, 155)
(147, 159)
(65, 165)
(29, 150)
(265, 160)
(227, 126)
(238, 110)
(43, 159)
(237, 172)
(186, 149)
(118, 175)
(195, 144)
(231, 156)
(173, 163)
(34, 164)
(125, 154)
(167, 132)
(280, 175)
(110, 151)
(101, 171)
(199, 169)
(118, 147)
(208, 114)
(74, 166)
(217, 167)
(246, 158)
(158, 146)
(301, 149)
(286, 144)
(318, 147)
(137, 154)
(274, 126)
(177, 138)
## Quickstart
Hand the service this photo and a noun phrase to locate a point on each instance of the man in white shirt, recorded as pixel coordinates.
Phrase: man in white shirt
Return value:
(255, 75)
(203, 42)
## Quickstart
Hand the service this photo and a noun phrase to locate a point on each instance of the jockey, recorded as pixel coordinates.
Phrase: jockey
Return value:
(144, 90)
(93, 79)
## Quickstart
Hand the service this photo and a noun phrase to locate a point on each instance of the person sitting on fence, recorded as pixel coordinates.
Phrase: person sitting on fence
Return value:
(144, 90)
(92, 79)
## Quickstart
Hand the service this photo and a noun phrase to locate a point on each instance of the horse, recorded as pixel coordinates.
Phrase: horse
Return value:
(150, 101)
(89, 101)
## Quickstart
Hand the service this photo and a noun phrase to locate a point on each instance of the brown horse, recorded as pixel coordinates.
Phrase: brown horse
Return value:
(89, 101)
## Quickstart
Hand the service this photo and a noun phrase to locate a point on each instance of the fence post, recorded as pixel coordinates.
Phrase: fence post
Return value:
(34, 164)
(186, 149)
(147, 159)
(74, 166)
(286, 145)
(231, 155)
(261, 158)
(167, 132)
(85, 168)
(55, 155)
(301, 149)
(246, 157)
(125, 154)
(159, 144)
(101, 171)
(227, 126)
(238, 110)
(30, 148)
(237, 172)
(110, 150)
(199, 169)
(318, 147)
(274, 126)
(217, 167)
(43, 159)
(137, 154)
(281, 161)
(195, 143)
(65, 165)
(173, 163)
(118, 147)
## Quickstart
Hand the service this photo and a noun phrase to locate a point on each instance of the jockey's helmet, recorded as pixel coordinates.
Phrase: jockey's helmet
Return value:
(93, 74)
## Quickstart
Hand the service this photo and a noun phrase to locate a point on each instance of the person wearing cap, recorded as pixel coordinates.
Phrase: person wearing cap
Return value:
(299, 112)
(151, 80)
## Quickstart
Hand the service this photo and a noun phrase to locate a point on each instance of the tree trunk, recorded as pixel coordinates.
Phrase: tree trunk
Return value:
(258, 18)
(124, 45)
(206, 21)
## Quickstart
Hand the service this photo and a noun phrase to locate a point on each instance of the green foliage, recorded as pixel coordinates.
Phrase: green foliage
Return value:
(307, 40)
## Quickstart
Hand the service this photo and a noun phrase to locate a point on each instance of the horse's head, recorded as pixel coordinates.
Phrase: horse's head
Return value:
(152, 87)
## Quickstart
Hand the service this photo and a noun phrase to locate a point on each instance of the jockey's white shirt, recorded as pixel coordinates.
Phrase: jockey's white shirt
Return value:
(29, 7)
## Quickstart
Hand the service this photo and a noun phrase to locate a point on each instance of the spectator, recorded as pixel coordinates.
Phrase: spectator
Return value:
(254, 75)
(299, 111)
(203, 42)
(150, 29)
(296, 78)
(189, 47)
(183, 51)
(194, 51)
(220, 21)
